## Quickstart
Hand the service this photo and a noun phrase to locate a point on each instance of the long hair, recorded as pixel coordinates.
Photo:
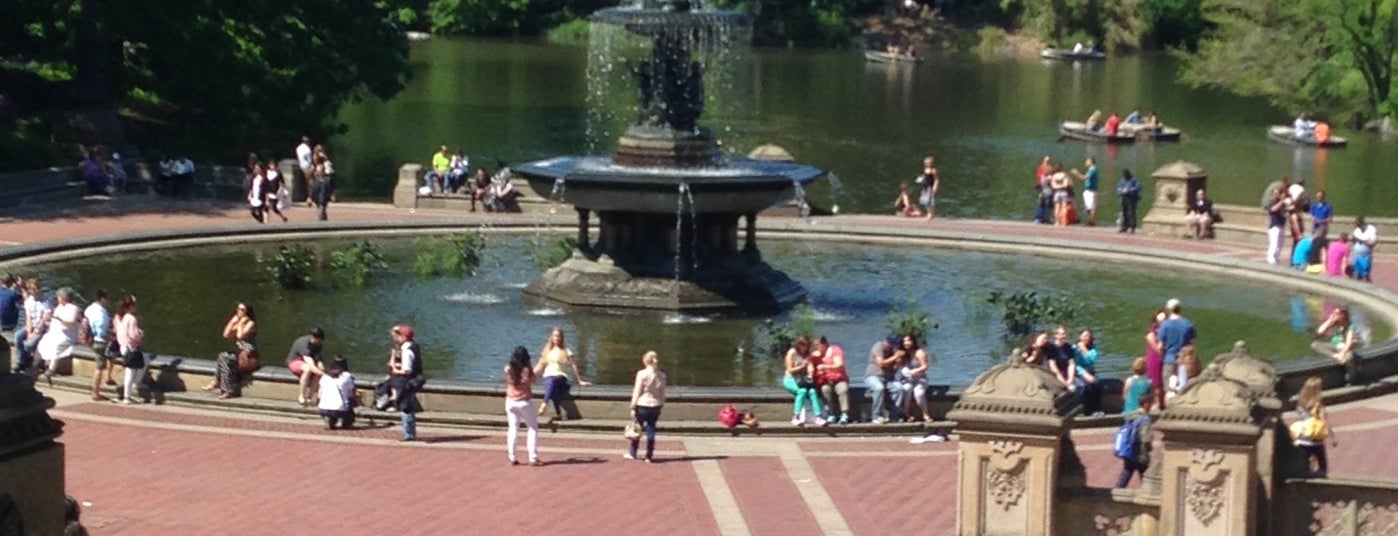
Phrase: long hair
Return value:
(519, 362)
(1310, 396)
(128, 304)
(247, 309)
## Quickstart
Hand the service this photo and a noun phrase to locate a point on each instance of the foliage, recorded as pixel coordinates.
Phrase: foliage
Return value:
(1325, 56)
(777, 337)
(909, 318)
(1024, 312)
(506, 17)
(458, 255)
(355, 264)
(292, 266)
(262, 72)
(571, 33)
(550, 251)
(825, 23)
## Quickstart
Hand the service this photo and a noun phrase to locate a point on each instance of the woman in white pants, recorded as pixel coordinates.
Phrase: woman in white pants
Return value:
(129, 336)
(1276, 222)
(519, 386)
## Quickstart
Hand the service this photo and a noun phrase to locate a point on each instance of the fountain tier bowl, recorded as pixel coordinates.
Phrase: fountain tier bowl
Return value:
(742, 186)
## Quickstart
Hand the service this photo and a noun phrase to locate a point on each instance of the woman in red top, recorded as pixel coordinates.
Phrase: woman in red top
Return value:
(831, 377)
(519, 386)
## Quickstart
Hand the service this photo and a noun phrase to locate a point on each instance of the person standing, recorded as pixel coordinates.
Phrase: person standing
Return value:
(647, 397)
(519, 406)
(305, 167)
(1139, 460)
(304, 361)
(1175, 333)
(324, 189)
(257, 193)
(62, 335)
(880, 382)
(930, 182)
(1313, 428)
(336, 393)
(1276, 222)
(1321, 214)
(1128, 188)
(1042, 213)
(1089, 189)
(99, 327)
(1365, 237)
(1062, 186)
(406, 376)
(129, 336)
(276, 185)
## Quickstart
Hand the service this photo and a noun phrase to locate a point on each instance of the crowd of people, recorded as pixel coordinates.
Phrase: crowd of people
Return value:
(451, 173)
(1288, 204)
(1056, 189)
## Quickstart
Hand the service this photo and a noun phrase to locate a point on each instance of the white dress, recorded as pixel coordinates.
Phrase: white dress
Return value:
(57, 343)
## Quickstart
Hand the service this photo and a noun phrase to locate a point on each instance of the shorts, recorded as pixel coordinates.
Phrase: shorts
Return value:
(1061, 196)
(927, 199)
(1089, 199)
(297, 366)
(100, 349)
(1363, 265)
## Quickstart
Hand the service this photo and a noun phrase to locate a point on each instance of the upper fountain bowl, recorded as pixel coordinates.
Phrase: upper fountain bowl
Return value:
(653, 17)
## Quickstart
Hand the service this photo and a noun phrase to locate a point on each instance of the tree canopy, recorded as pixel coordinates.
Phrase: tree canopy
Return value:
(1328, 56)
(238, 75)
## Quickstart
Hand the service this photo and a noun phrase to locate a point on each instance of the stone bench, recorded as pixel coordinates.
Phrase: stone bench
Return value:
(33, 187)
(412, 178)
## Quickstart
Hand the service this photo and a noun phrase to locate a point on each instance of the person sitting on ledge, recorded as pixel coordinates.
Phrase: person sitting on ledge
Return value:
(903, 204)
(913, 376)
(94, 173)
(457, 170)
(437, 175)
(879, 380)
(480, 189)
(1198, 217)
(831, 378)
(1341, 343)
(241, 328)
(336, 390)
(304, 361)
(503, 195)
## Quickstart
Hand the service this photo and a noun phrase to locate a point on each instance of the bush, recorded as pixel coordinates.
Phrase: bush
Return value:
(355, 264)
(291, 267)
(458, 255)
(572, 33)
(909, 318)
(1026, 312)
(777, 337)
(548, 252)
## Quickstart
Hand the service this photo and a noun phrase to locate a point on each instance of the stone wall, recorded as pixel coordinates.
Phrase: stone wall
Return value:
(1339, 506)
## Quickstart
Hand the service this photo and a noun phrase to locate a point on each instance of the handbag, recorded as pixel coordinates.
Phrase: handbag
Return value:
(1310, 429)
(247, 362)
(134, 359)
(632, 431)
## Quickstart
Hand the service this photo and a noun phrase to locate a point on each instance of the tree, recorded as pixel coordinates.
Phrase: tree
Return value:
(1327, 56)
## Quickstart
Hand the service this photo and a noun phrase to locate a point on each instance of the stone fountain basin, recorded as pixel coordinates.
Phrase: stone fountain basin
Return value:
(597, 183)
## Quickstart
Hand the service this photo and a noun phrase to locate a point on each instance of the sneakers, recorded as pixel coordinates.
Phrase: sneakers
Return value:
(880, 420)
(796, 420)
(820, 421)
(628, 456)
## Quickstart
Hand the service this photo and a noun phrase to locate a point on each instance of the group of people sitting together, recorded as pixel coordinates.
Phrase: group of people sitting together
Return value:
(103, 175)
(1113, 123)
(1309, 129)
(450, 172)
(1347, 255)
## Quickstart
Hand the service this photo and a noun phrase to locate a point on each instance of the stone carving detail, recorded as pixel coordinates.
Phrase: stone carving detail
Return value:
(1006, 478)
(1016, 387)
(1203, 489)
(1377, 519)
(1107, 526)
(1328, 518)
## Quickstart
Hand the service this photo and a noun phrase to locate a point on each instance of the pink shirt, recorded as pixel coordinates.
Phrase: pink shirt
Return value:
(128, 333)
(1335, 258)
(519, 390)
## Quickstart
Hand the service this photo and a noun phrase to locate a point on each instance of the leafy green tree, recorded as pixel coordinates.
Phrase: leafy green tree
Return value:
(1328, 56)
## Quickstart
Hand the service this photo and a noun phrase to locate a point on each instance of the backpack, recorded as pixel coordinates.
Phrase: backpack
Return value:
(1127, 445)
(729, 416)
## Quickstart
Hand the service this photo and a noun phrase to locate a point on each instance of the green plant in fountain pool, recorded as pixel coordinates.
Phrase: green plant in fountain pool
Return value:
(292, 266)
(355, 264)
(777, 336)
(550, 251)
(909, 318)
(458, 255)
(1024, 312)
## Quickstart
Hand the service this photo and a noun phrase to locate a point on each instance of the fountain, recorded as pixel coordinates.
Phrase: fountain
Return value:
(668, 200)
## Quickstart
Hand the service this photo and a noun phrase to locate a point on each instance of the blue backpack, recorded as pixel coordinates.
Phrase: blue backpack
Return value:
(1127, 444)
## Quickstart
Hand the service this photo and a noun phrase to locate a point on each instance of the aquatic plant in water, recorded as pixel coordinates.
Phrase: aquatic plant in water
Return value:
(1024, 312)
(355, 264)
(292, 266)
(458, 255)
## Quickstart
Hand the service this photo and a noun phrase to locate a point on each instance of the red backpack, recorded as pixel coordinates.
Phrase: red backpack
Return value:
(729, 416)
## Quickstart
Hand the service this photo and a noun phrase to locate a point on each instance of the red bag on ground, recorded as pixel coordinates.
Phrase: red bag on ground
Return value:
(729, 416)
(1072, 214)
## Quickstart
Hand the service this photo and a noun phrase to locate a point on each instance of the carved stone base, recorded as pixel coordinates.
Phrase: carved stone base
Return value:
(31, 463)
(657, 147)
(736, 286)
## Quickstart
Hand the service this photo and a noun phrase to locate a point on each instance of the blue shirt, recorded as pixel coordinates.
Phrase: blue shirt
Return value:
(1086, 361)
(1090, 181)
(1129, 189)
(9, 307)
(1301, 252)
(1321, 211)
(1175, 333)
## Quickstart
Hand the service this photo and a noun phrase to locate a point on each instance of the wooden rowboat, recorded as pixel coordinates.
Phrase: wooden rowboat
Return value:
(1286, 134)
(1067, 54)
(885, 57)
(1126, 133)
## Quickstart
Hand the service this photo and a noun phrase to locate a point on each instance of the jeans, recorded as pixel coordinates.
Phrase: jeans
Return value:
(887, 397)
(830, 391)
(1128, 468)
(802, 395)
(1273, 244)
(338, 418)
(517, 411)
(409, 420)
(647, 417)
(1091, 395)
(1128, 215)
(1316, 452)
(555, 389)
(24, 349)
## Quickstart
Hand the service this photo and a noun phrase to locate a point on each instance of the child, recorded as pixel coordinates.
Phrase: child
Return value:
(1189, 361)
(337, 395)
(1310, 436)
(1136, 389)
(1138, 463)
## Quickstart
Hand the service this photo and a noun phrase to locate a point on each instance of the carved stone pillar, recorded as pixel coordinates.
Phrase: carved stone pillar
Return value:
(750, 239)
(1274, 443)
(1208, 465)
(1013, 421)
(584, 243)
(31, 462)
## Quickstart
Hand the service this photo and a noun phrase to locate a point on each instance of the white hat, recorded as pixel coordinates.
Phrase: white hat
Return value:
(1172, 305)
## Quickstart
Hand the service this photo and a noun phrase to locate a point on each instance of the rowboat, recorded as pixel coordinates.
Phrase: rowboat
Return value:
(1126, 133)
(885, 57)
(1067, 54)
(1285, 134)
(417, 36)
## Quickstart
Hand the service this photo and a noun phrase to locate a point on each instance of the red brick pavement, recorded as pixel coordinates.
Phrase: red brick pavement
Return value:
(886, 495)
(769, 499)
